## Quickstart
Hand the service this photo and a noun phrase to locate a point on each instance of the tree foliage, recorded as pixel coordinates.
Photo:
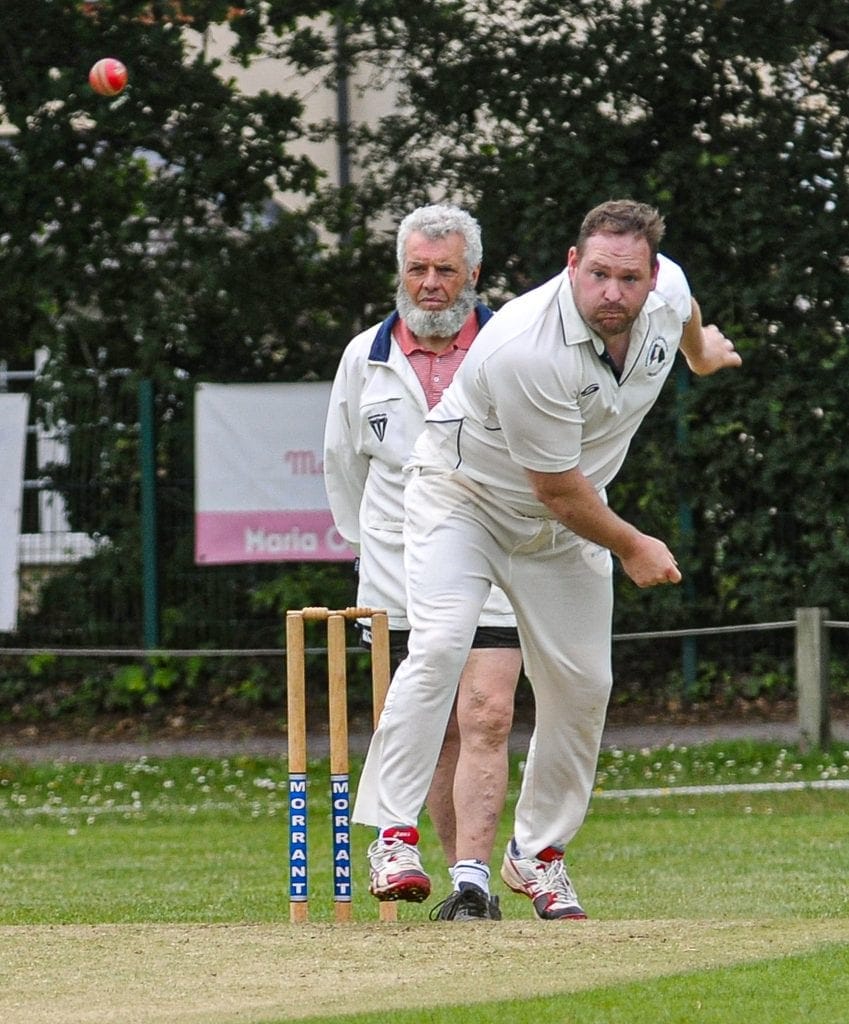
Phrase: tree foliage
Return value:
(732, 118)
(173, 233)
(146, 233)
(144, 229)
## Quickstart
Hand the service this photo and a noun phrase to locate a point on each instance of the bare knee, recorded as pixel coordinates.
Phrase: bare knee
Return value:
(485, 697)
(485, 719)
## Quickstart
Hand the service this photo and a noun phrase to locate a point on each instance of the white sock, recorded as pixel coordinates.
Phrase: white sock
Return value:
(474, 871)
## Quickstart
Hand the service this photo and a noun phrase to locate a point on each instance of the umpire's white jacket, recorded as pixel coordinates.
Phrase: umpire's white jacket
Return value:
(377, 410)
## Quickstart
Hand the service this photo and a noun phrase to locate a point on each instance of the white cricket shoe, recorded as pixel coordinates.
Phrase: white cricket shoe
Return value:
(396, 870)
(544, 881)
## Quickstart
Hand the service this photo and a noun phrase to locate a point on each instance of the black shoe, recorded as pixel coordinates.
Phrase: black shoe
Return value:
(469, 904)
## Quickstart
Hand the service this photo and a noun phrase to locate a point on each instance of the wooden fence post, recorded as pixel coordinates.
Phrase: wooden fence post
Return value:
(812, 685)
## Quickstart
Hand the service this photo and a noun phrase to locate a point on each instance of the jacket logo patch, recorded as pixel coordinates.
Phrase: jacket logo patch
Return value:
(378, 422)
(590, 389)
(657, 356)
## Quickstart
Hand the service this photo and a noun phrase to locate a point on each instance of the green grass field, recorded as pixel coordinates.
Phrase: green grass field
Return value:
(704, 907)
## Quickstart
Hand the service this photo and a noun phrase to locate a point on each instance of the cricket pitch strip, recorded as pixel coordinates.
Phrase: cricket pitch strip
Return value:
(247, 974)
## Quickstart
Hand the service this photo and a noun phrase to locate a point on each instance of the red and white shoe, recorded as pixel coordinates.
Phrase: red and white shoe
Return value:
(544, 881)
(396, 870)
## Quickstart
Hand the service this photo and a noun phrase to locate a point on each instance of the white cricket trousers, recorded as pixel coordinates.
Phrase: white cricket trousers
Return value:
(457, 543)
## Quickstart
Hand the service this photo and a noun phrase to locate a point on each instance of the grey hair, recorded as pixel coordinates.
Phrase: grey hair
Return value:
(437, 221)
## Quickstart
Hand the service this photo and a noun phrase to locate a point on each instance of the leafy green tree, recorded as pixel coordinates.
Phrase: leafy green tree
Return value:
(731, 116)
(141, 234)
(144, 237)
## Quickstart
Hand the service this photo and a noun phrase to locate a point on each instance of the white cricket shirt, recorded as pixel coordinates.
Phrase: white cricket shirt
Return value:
(534, 393)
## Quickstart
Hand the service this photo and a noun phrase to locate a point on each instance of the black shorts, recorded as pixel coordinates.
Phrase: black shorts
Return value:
(485, 637)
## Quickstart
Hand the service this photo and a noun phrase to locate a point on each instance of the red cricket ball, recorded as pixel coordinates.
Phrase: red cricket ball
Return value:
(108, 76)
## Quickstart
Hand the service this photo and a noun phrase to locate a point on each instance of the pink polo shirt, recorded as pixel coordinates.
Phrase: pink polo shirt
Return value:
(435, 370)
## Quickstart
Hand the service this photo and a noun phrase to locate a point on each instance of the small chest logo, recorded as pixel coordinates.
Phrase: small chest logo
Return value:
(657, 357)
(378, 422)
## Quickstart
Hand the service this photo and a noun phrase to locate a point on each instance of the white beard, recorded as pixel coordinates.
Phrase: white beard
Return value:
(441, 323)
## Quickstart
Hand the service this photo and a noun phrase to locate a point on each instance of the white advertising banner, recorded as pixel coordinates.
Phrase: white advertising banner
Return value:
(14, 411)
(259, 480)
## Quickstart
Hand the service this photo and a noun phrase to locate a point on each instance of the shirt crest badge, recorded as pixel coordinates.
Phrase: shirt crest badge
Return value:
(378, 423)
(657, 356)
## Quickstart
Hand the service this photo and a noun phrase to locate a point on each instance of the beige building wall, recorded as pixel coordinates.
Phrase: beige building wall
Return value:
(365, 104)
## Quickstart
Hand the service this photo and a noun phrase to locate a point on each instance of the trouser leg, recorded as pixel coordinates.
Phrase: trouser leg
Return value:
(448, 583)
(563, 602)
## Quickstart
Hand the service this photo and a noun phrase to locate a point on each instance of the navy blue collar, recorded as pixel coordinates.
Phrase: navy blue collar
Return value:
(383, 339)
